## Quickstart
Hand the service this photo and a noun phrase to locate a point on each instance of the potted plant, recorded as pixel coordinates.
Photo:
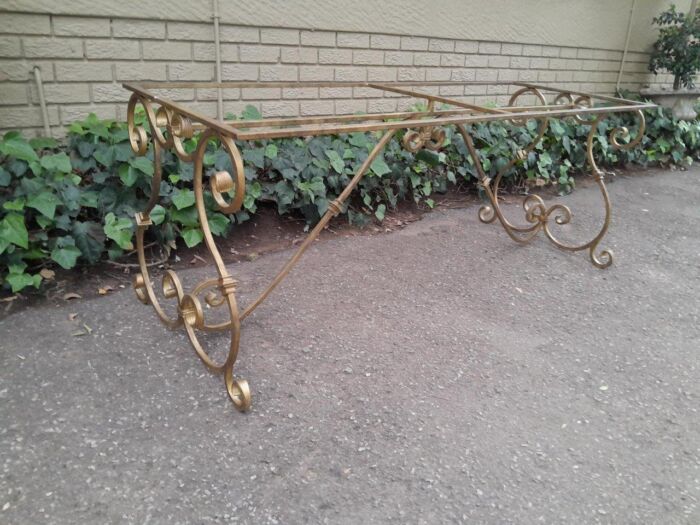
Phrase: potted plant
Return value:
(677, 51)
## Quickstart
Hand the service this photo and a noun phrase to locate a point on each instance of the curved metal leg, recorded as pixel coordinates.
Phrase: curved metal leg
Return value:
(219, 291)
(537, 214)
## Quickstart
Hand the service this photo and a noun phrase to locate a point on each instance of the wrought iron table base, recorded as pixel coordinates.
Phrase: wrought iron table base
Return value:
(171, 123)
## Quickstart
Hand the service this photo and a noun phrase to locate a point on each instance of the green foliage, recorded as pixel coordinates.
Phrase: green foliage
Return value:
(677, 49)
(74, 203)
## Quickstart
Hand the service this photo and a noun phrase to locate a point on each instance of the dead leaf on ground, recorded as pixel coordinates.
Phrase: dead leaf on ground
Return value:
(72, 317)
(9, 299)
(87, 331)
(104, 290)
(71, 295)
(47, 274)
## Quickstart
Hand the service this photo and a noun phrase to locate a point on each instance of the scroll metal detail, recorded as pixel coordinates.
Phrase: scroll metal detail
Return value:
(537, 215)
(168, 129)
(168, 126)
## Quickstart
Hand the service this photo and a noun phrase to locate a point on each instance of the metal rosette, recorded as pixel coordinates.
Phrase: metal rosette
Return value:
(168, 128)
(428, 137)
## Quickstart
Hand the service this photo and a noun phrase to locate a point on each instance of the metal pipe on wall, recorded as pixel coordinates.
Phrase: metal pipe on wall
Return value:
(627, 44)
(42, 101)
(217, 52)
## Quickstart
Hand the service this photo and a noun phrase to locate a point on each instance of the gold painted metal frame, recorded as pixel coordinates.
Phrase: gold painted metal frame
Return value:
(170, 123)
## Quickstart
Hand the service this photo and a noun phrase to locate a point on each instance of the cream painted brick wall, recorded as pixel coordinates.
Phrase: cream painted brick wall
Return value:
(165, 50)
(25, 24)
(185, 31)
(300, 93)
(138, 29)
(10, 46)
(113, 49)
(36, 47)
(279, 36)
(255, 53)
(84, 60)
(81, 26)
(318, 38)
(352, 40)
(73, 71)
(125, 71)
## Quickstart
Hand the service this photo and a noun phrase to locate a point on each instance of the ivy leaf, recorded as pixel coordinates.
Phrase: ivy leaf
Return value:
(89, 238)
(105, 156)
(566, 142)
(379, 167)
(186, 216)
(251, 113)
(43, 143)
(58, 162)
(119, 230)
(97, 127)
(85, 148)
(271, 151)
(430, 158)
(13, 230)
(128, 175)
(66, 257)
(45, 202)
(255, 156)
(157, 214)
(5, 177)
(14, 205)
(19, 281)
(663, 144)
(17, 147)
(143, 165)
(192, 236)
(89, 199)
(380, 212)
(218, 223)
(337, 163)
(358, 139)
(249, 203)
(254, 190)
(184, 198)
(557, 128)
(284, 194)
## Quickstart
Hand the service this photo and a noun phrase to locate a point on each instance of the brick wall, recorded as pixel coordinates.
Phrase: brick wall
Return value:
(84, 60)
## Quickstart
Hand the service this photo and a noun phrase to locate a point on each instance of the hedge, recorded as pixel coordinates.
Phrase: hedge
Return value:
(73, 202)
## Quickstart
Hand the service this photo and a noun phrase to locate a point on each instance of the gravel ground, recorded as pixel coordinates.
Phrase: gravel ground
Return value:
(439, 374)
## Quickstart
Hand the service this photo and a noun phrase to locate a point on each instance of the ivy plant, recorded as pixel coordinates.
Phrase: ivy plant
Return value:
(73, 203)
